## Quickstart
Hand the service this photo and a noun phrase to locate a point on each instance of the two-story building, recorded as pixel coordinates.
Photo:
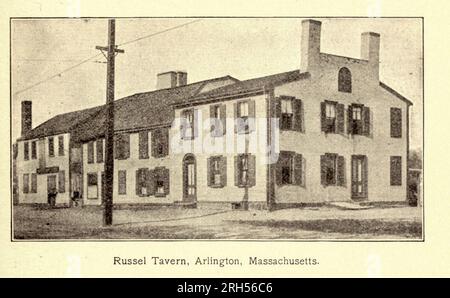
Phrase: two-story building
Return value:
(330, 131)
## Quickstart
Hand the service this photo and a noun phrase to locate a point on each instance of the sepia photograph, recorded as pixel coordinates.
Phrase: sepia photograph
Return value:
(217, 128)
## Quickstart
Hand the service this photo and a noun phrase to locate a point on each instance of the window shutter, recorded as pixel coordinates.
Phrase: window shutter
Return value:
(349, 119)
(143, 144)
(396, 170)
(209, 171)
(212, 120)
(298, 169)
(33, 182)
(90, 149)
(365, 175)
(396, 123)
(195, 123)
(25, 183)
(126, 138)
(366, 121)
(251, 170)
(155, 139)
(165, 141)
(223, 170)
(251, 115)
(138, 180)
(150, 181)
(278, 173)
(236, 116)
(183, 123)
(340, 171)
(297, 106)
(323, 170)
(61, 182)
(61, 146)
(236, 170)
(122, 182)
(340, 118)
(166, 180)
(99, 145)
(323, 121)
(117, 147)
(223, 118)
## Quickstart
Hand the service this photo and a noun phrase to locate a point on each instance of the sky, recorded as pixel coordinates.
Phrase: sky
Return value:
(212, 47)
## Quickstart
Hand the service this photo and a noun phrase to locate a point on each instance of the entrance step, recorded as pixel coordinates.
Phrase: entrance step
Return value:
(349, 206)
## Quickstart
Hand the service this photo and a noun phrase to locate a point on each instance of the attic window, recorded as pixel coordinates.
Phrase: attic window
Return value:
(345, 80)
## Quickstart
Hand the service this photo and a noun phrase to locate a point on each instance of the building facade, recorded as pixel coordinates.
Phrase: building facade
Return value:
(330, 131)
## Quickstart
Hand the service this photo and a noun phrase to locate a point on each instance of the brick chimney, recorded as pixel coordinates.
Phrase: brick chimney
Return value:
(171, 79)
(370, 50)
(26, 116)
(310, 44)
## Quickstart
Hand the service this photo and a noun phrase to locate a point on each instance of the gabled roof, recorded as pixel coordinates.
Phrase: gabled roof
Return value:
(140, 110)
(256, 84)
(392, 91)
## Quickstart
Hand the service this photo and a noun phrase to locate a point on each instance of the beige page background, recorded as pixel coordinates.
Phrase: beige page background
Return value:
(87, 259)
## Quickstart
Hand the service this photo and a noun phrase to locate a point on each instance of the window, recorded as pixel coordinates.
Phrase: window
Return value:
(332, 169)
(99, 148)
(161, 176)
(218, 120)
(396, 170)
(143, 144)
(289, 168)
(244, 112)
(33, 183)
(332, 117)
(345, 80)
(90, 152)
(188, 125)
(286, 114)
(122, 182)
(122, 146)
(51, 147)
(217, 171)
(92, 186)
(358, 120)
(61, 145)
(26, 151)
(61, 182)
(160, 142)
(143, 182)
(33, 150)
(396, 123)
(26, 183)
(245, 170)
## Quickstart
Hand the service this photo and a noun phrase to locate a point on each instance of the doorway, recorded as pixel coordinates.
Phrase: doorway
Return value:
(51, 189)
(189, 178)
(359, 177)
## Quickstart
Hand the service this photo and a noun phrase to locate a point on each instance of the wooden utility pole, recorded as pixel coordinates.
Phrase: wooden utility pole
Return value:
(111, 51)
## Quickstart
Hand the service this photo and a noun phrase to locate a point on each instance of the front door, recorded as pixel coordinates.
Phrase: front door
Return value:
(51, 188)
(189, 179)
(359, 176)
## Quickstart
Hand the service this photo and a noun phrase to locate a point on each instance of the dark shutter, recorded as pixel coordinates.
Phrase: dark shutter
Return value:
(251, 109)
(340, 171)
(278, 169)
(61, 182)
(99, 145)
(236, 170)
(236, 116)
(166, 180)
(340, 118)
(143, 144)
(138, 182)
(126, 145)
(297, 107)
(396, 170)
(223, 118)
(212, 120)
(150, 181)
(209, 170)
(155, 140)
(26, 151)
(223, 170)
(183, 123)
(122, 146)
(61, 146)
(33, 182)
(323, 119)
(298, 169)
(366, 120)
(323, 170)
(195, 123)
(90, 152)
(122, 182)
(396, 123)
(165, 141)
(350, 119)
(251, 170)
(25, 183)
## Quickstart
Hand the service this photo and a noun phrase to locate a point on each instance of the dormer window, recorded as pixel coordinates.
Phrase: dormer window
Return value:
(345, 80)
